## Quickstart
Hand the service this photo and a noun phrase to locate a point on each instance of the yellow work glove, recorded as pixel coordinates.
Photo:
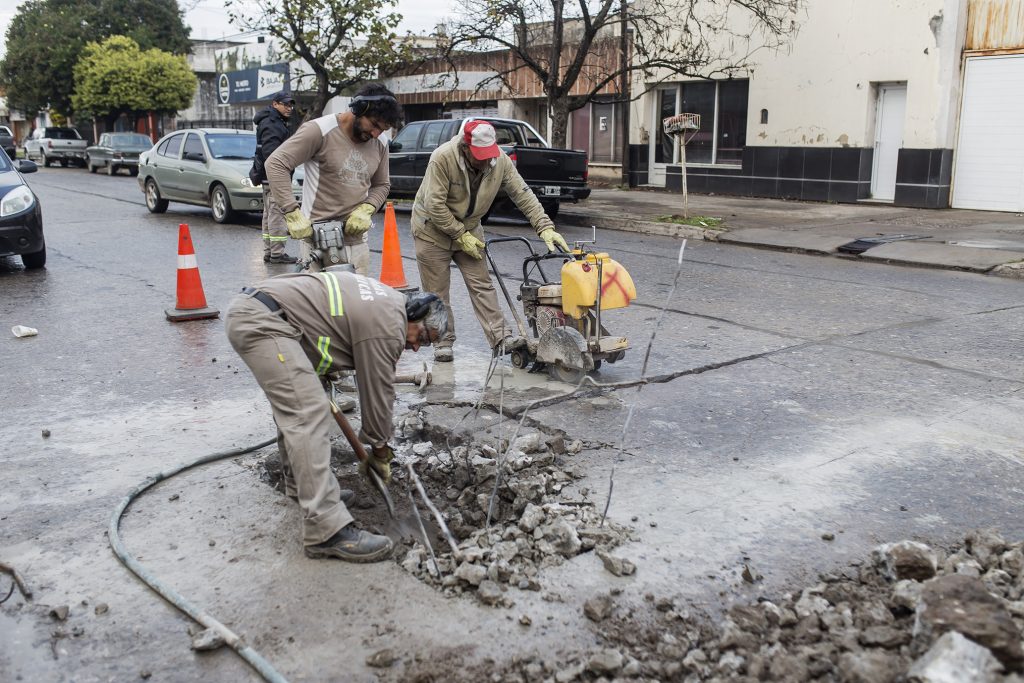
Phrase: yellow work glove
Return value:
(359, 220)
(470, 244)
(299, 226)
(551, 238)
(380, 461)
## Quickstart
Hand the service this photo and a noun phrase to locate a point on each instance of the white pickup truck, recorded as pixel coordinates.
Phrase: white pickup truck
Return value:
(52, 143)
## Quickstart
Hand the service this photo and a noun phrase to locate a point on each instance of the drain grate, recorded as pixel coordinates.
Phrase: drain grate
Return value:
(862, 244)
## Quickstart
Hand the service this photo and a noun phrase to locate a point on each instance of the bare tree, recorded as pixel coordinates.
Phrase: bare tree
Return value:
(343, 42)
(574, 48)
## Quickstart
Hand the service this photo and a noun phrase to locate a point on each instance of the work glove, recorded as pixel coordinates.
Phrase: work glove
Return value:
(359, 220)
(470, 244)
(380, 461)
(299, 226)
(551, 238)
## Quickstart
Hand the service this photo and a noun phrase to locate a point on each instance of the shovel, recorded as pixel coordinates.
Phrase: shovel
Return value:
(361, 454)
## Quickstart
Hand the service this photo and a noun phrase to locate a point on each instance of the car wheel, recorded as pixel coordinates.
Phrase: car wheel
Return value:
(133, 171)
(154, 202)
(34, 261)
(111, 169)
(88, 165)
(42, 158)
(220, 204)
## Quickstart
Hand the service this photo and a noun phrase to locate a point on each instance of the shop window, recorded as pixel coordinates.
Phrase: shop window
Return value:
(722, 106)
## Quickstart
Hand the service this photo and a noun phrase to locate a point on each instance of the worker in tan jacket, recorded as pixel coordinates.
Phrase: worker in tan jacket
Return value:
(347, 179)
(462, 179)
(293, 329)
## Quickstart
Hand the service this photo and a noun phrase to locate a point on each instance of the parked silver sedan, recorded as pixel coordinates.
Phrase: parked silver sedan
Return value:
(114, 151)
(206, 167)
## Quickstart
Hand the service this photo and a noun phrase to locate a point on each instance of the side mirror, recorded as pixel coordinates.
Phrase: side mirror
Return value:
(195, 156)
(25, 166)
(394, 146)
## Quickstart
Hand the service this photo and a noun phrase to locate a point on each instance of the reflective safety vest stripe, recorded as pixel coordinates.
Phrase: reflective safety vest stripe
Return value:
(333, 293)
(323, 345)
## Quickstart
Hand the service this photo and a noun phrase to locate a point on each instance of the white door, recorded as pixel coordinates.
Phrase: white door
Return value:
(989, 168)
(892, 105)
(663, 147)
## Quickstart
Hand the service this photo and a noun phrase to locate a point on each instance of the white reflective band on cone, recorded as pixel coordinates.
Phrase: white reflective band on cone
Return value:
(187, 261)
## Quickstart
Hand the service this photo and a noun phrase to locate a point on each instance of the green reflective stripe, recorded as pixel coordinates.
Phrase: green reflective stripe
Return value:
(323, 345)
(275, 238)
(333, 293)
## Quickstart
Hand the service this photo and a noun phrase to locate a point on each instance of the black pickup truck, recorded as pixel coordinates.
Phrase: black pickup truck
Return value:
(555, 175)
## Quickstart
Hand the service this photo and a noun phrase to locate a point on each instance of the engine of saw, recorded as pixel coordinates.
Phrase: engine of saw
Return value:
(568, 337)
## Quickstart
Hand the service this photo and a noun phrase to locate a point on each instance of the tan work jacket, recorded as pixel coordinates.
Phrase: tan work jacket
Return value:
(349, 322)
(445, 205)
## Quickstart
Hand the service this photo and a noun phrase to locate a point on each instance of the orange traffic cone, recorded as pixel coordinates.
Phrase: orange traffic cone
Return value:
(191, 303)
(391, 272)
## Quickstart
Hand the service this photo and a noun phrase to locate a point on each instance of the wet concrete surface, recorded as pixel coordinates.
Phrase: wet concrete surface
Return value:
(795, 396)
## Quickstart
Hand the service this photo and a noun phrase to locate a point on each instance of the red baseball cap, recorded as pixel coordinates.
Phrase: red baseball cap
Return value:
(481, 138)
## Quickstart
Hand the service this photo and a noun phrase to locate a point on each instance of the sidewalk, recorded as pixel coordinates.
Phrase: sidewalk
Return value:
(977, 241)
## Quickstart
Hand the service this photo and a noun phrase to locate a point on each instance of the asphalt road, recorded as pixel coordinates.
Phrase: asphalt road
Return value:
(793, 396)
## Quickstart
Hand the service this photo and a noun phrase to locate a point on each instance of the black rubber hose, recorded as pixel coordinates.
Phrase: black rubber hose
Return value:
(254, 659)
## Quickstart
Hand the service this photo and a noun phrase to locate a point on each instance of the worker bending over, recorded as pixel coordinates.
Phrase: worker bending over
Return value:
(291, 330)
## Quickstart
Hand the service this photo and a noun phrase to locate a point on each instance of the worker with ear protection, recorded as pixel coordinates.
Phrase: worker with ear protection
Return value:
(346, 179)
(293, 329)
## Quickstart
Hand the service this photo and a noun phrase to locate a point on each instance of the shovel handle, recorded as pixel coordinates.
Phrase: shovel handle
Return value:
(349, 433)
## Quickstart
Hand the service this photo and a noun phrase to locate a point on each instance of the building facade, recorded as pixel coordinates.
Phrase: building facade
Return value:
(913, 103)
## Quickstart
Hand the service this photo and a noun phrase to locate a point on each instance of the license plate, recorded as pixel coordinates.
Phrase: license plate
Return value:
(552, 190)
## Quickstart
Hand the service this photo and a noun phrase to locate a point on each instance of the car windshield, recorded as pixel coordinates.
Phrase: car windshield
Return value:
(231, 146)
(4, 130)
(5, 164)
(130, 140)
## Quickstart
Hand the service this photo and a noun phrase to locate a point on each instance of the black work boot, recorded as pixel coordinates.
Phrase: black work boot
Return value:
(282, 258)
(352, 545)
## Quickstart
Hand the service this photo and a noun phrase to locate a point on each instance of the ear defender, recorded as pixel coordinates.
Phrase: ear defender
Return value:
(360, 103)
(418, 305)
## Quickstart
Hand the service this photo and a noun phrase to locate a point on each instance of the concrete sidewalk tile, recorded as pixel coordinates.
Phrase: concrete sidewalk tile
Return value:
(619, 220)
(941, 255)
(786, 239)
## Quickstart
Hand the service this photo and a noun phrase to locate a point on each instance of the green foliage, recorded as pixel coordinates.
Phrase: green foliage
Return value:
(115, 76)
(323, 34)
(45, 40)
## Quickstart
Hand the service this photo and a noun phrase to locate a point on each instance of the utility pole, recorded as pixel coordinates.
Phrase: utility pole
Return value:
(624, 89)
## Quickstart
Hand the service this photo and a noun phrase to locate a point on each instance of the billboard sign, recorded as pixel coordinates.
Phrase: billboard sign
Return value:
(251, 85)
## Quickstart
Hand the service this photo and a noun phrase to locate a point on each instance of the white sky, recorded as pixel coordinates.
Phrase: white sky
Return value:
(208, 18)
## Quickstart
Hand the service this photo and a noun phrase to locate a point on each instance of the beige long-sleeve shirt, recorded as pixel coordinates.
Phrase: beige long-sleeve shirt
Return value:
(340, 174)
(349, 322)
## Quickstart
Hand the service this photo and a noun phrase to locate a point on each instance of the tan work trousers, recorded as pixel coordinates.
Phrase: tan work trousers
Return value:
(356, 254)
(435, 276)
(269, 345)
(275, 230)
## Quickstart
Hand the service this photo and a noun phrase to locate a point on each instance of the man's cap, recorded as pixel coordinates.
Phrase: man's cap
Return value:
(481, 138)
(284, 97)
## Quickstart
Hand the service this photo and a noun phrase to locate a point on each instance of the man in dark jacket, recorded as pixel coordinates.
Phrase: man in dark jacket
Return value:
(272, 130)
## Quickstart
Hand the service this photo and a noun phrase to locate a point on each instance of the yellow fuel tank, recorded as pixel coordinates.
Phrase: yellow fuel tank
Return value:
(579, 285)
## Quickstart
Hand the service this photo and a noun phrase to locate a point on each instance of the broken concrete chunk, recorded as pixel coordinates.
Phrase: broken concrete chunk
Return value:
(985, 545)
(563, 537)
(619, 566)
(382, 659)
(206, 640)
(888, 637)
(598, 608)
(532, 517)
(867, 666)
(905, 560)
(101, 608)
(962, 603)
(954, 658)
(489, 592)
(422, 448)
(530, 443)
(60, 613)
(905, 595)
(606, 661)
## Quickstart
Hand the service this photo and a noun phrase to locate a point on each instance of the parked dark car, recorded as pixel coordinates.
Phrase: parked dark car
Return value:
(114, 151)
(21, 219)
(555, 175)
(7, 142)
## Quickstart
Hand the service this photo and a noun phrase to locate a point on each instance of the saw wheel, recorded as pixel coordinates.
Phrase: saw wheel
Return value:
(563, 351)
(565, 374)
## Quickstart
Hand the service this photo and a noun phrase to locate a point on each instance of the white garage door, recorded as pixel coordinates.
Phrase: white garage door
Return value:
(990, 151)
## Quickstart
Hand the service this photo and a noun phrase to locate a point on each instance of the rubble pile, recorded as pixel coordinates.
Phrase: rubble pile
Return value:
(908, 613)
(537, 519)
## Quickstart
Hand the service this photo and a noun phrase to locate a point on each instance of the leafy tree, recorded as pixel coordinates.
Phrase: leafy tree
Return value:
(46, 37)
(343, 42)
(115, 77)
(573, 48)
